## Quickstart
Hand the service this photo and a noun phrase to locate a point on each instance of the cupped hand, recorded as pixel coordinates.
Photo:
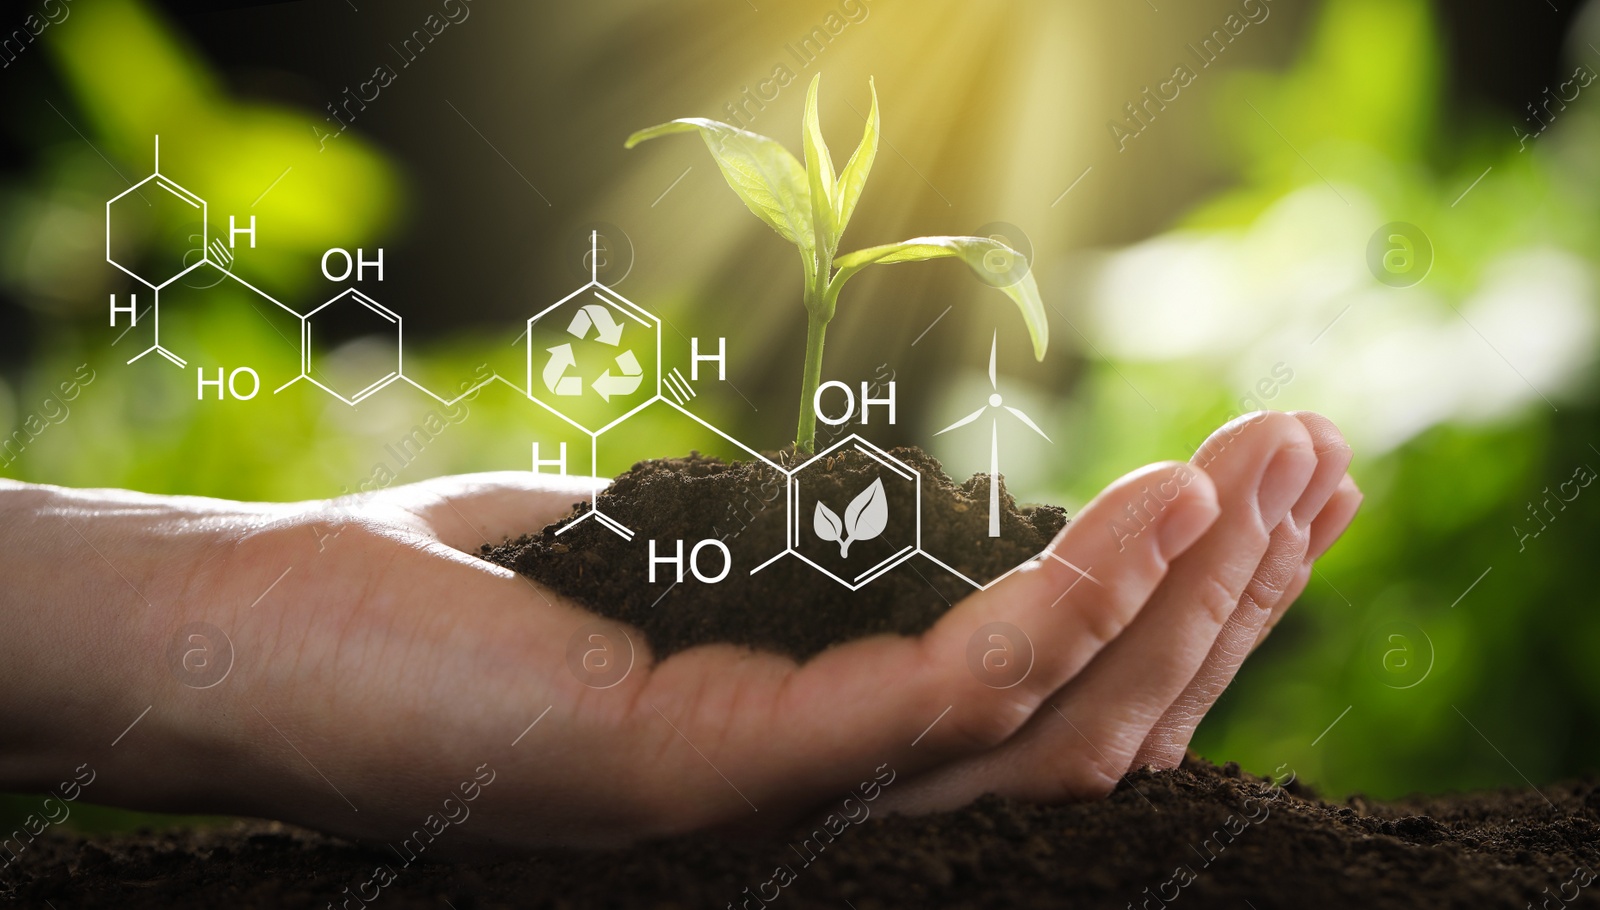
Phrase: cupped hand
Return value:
(380, 681)
(1285, 499)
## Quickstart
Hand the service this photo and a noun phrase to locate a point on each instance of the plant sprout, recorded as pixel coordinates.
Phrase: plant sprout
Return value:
(809, 207)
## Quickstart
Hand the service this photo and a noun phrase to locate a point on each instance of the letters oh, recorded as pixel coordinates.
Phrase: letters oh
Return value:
(677, 561)
(867, 401)
(357, 264)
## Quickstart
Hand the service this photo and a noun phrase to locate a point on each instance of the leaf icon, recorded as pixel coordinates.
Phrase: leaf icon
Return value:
(827, 524)
(866, 516)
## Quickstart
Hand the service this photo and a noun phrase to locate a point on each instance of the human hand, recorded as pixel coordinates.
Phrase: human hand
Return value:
(1286, 498)
(378, 669)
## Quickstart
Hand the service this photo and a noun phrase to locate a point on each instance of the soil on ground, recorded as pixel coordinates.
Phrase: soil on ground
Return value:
(1197, 837)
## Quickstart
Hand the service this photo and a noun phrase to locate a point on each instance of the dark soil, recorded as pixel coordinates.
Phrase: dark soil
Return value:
(789, 607)
(1235, 840)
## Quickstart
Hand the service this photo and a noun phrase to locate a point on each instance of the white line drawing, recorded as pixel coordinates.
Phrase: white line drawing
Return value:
(678, 387)
(633, 378)
(995, 401)
(862, 523)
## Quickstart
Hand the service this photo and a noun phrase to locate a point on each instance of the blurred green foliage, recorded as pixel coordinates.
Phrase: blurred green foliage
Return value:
(1511, 694)
(1510, 690)
(132, 78)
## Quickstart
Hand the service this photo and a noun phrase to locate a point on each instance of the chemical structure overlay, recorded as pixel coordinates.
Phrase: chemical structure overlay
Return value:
(593, 346)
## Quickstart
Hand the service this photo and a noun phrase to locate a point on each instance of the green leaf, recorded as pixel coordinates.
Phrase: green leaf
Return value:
(854, 176)
(760, 170)
(819, 174)
(995, 263)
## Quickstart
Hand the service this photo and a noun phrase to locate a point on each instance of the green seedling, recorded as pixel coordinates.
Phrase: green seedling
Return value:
(809, 207)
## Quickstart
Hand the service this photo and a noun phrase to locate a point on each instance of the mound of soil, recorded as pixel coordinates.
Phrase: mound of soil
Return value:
(788, 606)
(1199, 836)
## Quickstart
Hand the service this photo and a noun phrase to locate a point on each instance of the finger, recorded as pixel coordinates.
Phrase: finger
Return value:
(468, 510)
(1084, 742)
(1261, 471)
(1164, 745)
(1335, 518)
(1325, 531)
(1056, 614)
(1333, 463)
(907, 703)
(1263, 601)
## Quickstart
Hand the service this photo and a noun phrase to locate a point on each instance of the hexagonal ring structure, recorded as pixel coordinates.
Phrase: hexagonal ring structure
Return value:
(354, 386)
(594, 358)
(161, 202)
(882, 519)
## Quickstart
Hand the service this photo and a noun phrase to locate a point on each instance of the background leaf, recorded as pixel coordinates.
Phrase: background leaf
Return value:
(1024, 291)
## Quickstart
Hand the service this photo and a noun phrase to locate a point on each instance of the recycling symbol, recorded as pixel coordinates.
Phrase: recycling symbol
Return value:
(607, 331)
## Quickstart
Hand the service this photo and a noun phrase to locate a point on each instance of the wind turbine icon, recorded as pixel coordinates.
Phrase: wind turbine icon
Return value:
(995, 402)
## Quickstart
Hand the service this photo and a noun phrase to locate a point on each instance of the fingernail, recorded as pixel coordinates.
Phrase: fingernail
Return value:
(1282, 483)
